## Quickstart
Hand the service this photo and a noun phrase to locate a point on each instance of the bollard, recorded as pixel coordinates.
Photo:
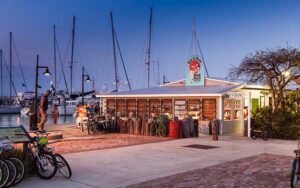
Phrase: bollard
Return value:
(214, 130)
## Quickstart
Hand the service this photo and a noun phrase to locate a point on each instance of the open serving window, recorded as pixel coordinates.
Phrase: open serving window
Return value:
(195, 108)
(232, 109)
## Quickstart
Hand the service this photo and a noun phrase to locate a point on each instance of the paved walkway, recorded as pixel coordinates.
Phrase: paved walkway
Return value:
(264, 170)
(125, 166)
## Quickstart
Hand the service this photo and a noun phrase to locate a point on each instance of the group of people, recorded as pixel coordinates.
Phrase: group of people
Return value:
(43, 107)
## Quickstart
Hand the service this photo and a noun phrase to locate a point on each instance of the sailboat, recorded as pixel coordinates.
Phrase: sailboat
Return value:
(9, 105)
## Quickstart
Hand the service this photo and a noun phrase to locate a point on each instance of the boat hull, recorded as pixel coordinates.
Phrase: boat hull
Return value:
(10, 109)
(70, 110)
(25, 111)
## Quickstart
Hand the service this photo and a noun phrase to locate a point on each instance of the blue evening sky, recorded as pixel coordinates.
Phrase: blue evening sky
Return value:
(227, 30)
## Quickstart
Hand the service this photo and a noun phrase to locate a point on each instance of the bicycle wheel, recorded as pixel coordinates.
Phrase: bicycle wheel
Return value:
(265, 135)
(46, 165)
(20, 170)
(161, 130)
(253, 136)
(153, 129)
(4, 172)
(12, 172)
(294, 173)
(63, 166)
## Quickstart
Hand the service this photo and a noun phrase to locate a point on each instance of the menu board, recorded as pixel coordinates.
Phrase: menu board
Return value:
(16, 134)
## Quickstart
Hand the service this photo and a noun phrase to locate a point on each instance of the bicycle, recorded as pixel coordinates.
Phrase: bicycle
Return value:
(40, 144)
(44, 161)
(264, 134)
(16, 168)
(295, 173)
(158, 127)
(63, 166)
(4, 169)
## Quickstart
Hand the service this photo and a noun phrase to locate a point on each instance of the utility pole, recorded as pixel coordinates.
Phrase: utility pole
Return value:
(54, 42)
(72, 54)
(149, 47)
(114, 49)
(35, 102)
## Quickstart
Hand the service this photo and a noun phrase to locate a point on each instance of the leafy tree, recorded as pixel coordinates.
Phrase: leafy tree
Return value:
(275, 68)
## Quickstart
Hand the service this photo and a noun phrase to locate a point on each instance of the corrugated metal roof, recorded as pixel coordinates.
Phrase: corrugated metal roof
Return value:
(213, 90)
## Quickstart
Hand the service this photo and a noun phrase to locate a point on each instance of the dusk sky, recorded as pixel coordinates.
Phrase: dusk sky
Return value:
(227, 31)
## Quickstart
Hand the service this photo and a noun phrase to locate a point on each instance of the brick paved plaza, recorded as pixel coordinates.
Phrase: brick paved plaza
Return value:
(265, 170)
(119, 160)
(104, 141)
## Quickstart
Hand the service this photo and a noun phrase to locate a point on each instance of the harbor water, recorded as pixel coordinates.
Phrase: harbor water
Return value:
(8, 120)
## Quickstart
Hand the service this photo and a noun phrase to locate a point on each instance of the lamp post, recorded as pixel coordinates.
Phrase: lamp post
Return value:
(46, 73)
(84, 75)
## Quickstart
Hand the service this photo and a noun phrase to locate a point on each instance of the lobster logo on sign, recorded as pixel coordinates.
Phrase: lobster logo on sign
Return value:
(194, 69)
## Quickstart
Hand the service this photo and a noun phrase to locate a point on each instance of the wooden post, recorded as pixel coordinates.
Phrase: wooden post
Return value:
(116, 114)
(173, 108)
(116, 108)
(186, 107)
(136, 108)
(126, 108)
(201, 108)
(160, 110)
(149, 113)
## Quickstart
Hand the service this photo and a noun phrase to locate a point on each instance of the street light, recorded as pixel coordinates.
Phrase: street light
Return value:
(46, 73)
(82, 82)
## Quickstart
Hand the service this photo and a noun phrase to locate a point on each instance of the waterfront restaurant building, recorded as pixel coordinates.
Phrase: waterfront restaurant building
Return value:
(203, 98)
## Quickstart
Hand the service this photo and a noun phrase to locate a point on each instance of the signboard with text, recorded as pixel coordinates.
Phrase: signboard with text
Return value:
(195, 72)
(236, 95)
(16, 134)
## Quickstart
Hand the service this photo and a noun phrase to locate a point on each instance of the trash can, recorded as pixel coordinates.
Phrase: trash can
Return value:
(218, 124)
(175, 129)
(210, 127)
(196, 128)
(185, 128)
(191, 127)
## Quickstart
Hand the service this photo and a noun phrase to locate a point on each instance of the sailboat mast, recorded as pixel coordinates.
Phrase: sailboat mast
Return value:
(114, 49)
(10, 65)
(149, 47)
(72, 53)
(158, 73)
(1, 67)
(54, 43)
(194, 38)
(196, 44)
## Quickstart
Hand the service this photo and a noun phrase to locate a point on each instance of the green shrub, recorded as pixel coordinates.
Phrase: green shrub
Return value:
(280, 124)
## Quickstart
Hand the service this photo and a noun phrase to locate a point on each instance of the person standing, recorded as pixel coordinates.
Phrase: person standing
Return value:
(43, 110)
(55, 113)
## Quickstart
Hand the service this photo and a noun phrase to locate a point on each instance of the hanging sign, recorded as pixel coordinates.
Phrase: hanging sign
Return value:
(236, 95)
(195, 72)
